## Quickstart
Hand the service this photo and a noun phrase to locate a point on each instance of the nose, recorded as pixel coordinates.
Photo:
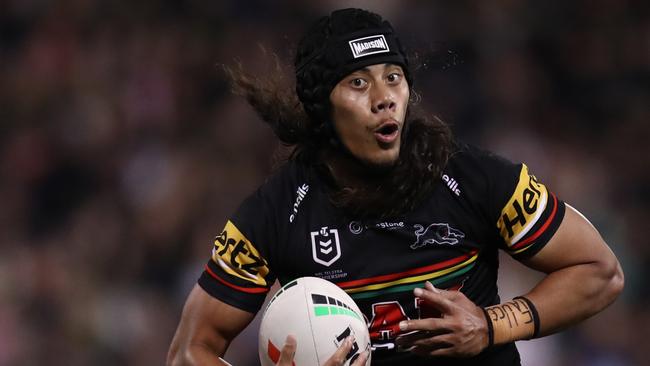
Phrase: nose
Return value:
(383, 100)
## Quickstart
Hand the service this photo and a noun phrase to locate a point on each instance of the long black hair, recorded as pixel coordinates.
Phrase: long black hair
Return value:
(304, 124)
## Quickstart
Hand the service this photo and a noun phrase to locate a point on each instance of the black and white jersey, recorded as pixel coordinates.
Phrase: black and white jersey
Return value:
(288, 228)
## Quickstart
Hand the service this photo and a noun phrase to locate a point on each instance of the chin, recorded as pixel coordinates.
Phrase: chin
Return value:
(382, 162)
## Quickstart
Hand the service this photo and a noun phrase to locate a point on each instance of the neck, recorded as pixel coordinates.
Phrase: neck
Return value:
(349, 172)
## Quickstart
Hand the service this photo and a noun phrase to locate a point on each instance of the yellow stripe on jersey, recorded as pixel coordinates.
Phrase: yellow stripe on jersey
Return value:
(237, 256)
(524, 208)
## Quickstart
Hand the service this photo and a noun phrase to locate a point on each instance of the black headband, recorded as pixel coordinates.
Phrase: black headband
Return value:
(337, 45)
(347, 53)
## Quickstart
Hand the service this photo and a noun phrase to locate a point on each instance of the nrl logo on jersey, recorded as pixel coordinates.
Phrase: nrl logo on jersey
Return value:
(368, 45)
(325, 246)
(438, 233)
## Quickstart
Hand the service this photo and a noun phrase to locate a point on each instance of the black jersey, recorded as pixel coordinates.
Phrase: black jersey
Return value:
(288, 228)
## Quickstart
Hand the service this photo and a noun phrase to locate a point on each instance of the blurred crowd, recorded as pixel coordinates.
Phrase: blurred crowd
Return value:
(122, 152)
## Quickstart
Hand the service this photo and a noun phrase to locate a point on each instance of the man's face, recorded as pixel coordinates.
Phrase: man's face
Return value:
(368, 110)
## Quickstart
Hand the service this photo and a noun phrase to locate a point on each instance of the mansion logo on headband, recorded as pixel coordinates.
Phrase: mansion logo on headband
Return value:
(368, 45)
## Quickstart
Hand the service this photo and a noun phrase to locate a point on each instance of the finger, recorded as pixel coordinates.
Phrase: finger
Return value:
(444, 345)
(288, 351)
(436, 351)
(451, 295)
(439, 345)
(409, 339)
(361, 360)
(441, 350)
(438, 299)
(437, 341)
(338, 358)
(435, 325)
(429, 286)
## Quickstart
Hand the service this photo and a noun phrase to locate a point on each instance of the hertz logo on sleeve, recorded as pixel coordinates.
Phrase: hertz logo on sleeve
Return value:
(523, 209)
(237, 256)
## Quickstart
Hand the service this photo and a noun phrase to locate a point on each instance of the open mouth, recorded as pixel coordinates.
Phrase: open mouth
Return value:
(387, 132)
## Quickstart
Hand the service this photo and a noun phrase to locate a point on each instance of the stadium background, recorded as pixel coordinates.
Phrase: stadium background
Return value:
(122, 152)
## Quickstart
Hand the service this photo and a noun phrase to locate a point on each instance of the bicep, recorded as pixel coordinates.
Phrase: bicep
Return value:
(207, 325)
(583, 274)
(575, 242)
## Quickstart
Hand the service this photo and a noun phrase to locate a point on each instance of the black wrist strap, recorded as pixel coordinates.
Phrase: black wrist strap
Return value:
(490, 328)
(534, 313)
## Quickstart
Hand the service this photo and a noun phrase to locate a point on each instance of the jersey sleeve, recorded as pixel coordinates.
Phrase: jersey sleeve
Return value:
(528, 214)
(238, 272)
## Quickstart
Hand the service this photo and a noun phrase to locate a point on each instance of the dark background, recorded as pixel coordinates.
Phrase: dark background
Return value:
(122, 152)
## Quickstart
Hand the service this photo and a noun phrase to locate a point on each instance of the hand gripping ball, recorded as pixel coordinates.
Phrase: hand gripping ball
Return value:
(320, 315)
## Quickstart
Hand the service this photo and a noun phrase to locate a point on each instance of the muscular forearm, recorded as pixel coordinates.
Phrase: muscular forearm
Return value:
(206, 329)
(583, 276)
(563, 298)
(572, 294)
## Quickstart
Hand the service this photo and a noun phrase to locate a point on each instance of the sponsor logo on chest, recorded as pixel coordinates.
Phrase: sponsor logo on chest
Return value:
(390, 225)
(301, 192)
(452, 184)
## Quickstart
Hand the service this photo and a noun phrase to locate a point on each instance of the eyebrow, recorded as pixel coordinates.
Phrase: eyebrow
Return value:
(362, 70)
(367, 70)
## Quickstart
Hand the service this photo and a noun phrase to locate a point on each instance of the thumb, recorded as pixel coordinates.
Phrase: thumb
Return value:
(288, 351)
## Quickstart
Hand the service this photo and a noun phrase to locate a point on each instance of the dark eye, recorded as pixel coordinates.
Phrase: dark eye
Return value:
(394, 77)
(358, 83)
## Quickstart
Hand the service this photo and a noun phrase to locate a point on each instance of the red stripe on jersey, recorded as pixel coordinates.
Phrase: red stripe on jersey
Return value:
(239, 288)
(540, 230)
(393, 276)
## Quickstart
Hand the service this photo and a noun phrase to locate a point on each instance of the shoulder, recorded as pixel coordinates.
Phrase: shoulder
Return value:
(482, 178)
(285, 175)
(281, 186)
(480, 170)
(469, 157)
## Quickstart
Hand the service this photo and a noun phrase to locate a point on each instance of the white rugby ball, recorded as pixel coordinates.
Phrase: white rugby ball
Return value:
(320, 315)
